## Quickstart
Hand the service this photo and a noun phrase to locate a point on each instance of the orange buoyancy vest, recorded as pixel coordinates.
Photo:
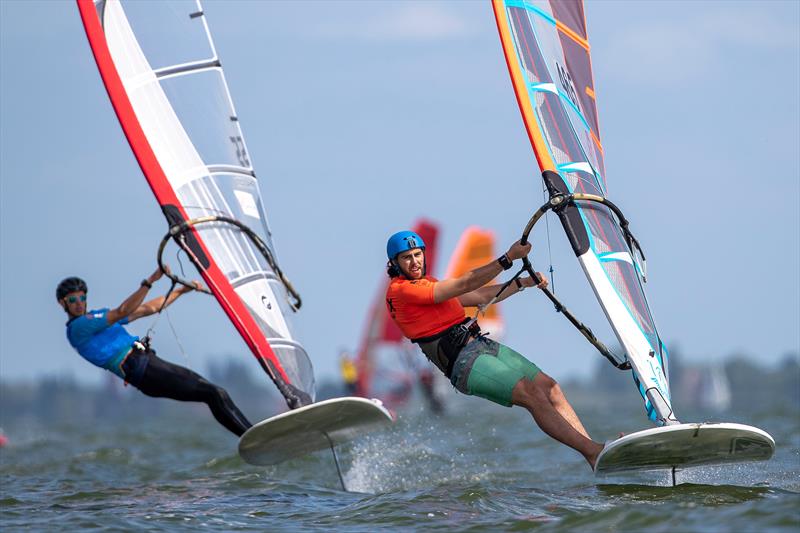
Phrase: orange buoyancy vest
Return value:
(411, 306)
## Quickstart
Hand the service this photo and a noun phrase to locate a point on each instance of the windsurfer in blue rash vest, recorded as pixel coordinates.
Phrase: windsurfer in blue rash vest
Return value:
(431, 314)
(100, 338)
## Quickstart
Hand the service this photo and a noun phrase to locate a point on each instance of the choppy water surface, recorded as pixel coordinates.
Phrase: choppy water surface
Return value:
(479, 467)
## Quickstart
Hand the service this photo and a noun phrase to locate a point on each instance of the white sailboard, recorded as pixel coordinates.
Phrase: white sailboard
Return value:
(547, 51)
(315, 427)
(685, 445)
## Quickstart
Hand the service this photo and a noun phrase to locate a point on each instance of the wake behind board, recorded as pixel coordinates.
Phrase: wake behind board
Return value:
(685, 445)
(311, 428)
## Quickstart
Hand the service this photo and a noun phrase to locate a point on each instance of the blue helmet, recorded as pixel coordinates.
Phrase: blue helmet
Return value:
(403, 241)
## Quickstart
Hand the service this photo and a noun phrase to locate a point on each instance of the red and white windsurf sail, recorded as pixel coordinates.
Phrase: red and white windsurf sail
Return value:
(166, 83)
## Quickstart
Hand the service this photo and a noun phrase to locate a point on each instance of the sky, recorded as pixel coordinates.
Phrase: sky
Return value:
(361, 117)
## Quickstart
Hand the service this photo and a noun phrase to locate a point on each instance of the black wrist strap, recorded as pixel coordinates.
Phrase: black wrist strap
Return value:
(147, 284)
(519, 284)
(505, 262)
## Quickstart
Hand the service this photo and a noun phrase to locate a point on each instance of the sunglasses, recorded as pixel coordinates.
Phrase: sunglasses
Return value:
(73, 299)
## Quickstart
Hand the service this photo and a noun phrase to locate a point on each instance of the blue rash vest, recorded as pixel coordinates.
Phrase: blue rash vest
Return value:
(98, 342)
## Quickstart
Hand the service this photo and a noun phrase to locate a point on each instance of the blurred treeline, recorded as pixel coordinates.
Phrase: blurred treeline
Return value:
(736, 385)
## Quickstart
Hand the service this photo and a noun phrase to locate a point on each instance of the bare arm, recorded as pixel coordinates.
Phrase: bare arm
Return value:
(475, 279)
(153, 306)
(485, 294)
(133, 301)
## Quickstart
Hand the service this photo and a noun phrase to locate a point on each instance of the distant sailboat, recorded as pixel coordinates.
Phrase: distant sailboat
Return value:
(706, 388)
(717, 395)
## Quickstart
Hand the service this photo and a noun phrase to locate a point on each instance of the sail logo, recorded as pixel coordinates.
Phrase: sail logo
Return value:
(266, 302)
(656, 379)
(241, 151)
(567, 85)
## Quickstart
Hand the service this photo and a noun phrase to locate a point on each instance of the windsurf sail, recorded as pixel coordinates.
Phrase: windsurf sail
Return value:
(166, 84)
(476, 248)
(547, 50)
(386, 360)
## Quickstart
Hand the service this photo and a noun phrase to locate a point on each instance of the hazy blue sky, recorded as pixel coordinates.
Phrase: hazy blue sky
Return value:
(362, 116)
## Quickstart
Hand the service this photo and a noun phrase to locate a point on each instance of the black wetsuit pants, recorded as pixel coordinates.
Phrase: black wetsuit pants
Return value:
(162, 379)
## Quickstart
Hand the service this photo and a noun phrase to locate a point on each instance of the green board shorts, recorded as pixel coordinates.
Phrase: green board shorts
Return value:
(490, 370)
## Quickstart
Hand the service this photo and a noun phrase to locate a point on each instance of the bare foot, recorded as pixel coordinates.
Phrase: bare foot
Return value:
(591, 458)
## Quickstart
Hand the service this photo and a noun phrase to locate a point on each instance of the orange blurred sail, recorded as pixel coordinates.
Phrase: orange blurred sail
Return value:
(476, 248)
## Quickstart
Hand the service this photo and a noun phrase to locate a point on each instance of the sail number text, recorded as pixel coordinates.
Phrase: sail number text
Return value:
(567, 85)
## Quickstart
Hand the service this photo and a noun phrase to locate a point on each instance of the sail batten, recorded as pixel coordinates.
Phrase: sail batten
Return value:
(187, 68)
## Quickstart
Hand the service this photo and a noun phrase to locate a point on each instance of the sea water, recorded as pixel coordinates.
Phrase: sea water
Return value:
(478, 467)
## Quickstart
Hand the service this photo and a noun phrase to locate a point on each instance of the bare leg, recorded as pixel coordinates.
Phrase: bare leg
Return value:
(559, 401)
(536, 400)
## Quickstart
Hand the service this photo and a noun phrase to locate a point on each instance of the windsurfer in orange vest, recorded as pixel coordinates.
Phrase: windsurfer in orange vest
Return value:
(431, 314)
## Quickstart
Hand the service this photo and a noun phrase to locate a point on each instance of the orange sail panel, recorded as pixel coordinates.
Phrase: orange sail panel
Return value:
(476, 248)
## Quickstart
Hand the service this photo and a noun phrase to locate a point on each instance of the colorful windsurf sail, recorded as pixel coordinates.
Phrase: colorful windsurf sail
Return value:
(548, 55)
(386, 361)
(166, 84)
(476, 248)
